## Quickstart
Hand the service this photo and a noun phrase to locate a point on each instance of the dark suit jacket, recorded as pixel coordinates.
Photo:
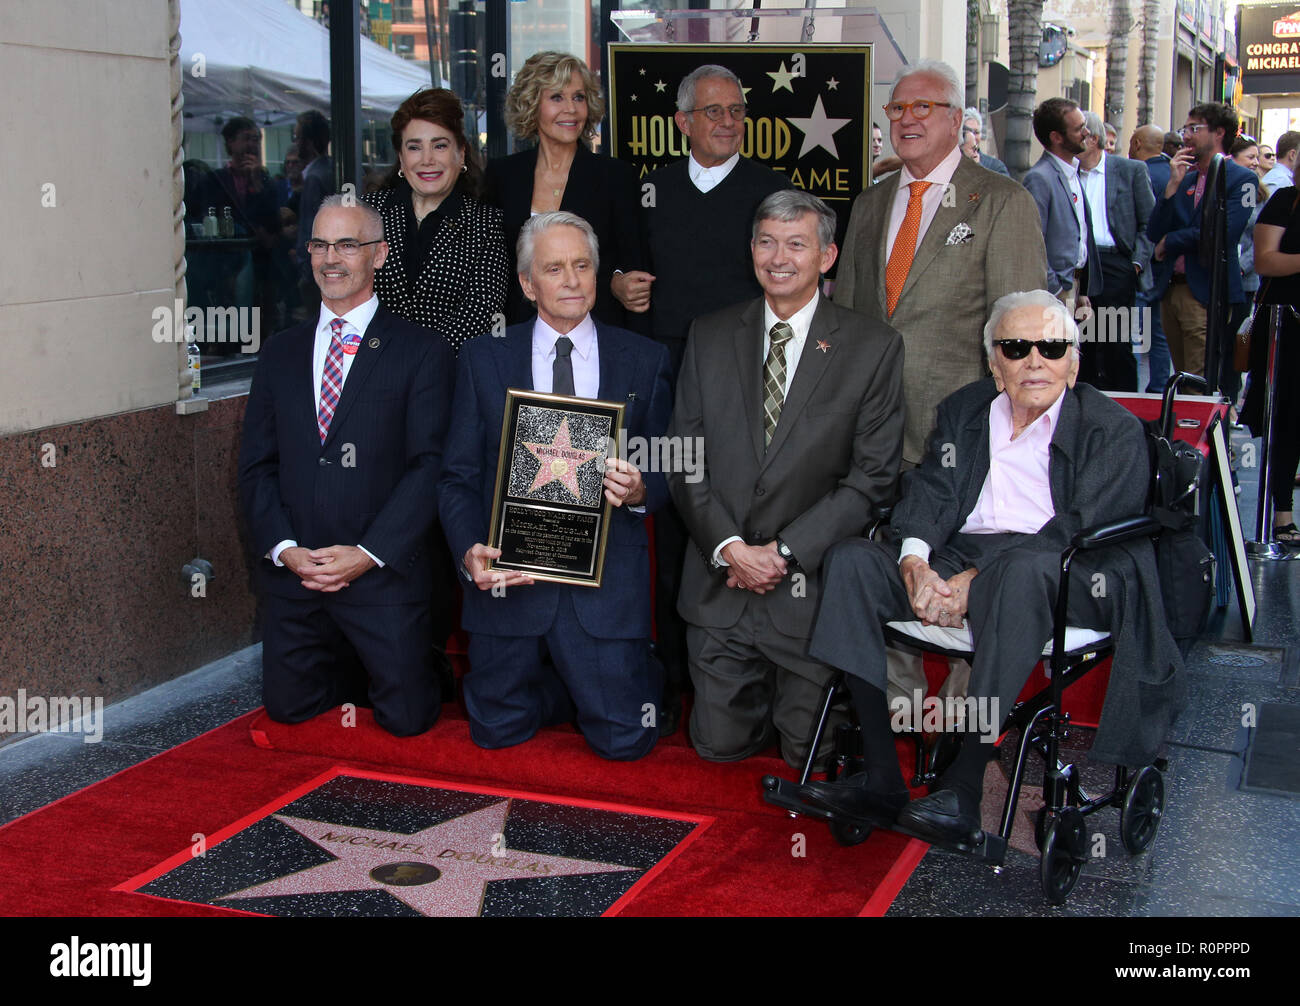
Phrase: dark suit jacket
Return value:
(601, 190)
(1061, 227)
(372, 482)
(633, 370)
(1099, 471)
(1128, 208)
(461, 287)
(832, 463)
(1178, 221)
(1158, 170)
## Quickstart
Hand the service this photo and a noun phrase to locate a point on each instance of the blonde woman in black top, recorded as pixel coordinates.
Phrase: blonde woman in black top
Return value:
(556, 101)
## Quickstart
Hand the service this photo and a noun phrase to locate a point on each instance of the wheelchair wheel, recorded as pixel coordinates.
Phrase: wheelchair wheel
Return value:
(1143, 804)
(847, 833)
(1063, 856)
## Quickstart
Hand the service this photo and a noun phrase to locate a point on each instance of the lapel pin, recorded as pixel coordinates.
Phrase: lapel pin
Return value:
(374, 343)
(823, 345)
(631, 396)
(974, 197)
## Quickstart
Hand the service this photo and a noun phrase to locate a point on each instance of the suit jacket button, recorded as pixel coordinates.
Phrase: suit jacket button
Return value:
(322, 462)
(759, 490)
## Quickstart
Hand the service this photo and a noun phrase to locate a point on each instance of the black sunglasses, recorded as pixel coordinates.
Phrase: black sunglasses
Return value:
(1018, 349)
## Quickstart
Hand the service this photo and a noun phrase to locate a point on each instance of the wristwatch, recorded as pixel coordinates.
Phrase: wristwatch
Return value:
(783, 550)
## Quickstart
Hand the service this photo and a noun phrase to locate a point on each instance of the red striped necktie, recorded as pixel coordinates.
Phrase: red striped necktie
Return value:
(331, 384)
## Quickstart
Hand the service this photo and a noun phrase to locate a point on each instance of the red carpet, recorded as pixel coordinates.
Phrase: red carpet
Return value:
(67, 858)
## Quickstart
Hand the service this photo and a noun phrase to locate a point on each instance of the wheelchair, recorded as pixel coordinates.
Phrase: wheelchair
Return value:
(1039, 721)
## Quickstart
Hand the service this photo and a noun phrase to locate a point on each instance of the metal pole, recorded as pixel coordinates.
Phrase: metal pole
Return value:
(345, 94)
(1264, 547)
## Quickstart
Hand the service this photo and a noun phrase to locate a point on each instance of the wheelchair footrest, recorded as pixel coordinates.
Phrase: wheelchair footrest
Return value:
(784, 793)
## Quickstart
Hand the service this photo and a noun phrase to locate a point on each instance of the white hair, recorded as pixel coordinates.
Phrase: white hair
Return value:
(952, 90)
(374, 223)
(535, 226)
(972, 113)
(1057, 323)
(1092, 122)
(710, 71)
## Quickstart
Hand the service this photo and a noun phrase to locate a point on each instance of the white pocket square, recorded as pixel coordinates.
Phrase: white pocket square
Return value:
(959, 235)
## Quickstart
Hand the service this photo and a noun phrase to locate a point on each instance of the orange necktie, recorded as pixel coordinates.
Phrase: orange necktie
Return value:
(900, 258)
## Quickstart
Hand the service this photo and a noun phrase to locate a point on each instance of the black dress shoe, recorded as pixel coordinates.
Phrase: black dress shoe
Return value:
(854, 798)
(939, 816)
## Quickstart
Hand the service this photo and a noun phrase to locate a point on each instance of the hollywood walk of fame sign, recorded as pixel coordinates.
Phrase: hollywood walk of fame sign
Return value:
(550, 518)
(808, 111)
(357, 843)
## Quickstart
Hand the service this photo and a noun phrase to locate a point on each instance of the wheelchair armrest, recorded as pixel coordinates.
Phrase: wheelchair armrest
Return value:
(1116, 531)
(882, 519)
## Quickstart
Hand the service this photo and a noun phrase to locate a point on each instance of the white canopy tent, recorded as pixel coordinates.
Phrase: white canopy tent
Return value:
(268, 61)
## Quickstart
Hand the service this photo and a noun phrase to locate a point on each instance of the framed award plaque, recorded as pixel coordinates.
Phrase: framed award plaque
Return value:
(550, 518)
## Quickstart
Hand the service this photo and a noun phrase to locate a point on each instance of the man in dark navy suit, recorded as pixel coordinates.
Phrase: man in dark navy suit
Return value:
(338, 472)
(1176, 224)
(597, 638)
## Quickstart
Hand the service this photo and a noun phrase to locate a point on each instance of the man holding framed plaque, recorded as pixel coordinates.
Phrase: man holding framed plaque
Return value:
(526, 468)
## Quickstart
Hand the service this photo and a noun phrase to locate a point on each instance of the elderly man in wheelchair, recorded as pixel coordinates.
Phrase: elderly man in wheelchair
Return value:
(1018, 465)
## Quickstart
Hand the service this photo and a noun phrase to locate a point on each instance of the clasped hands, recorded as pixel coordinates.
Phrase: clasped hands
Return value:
(327, 569)
(623, 485)
(754, 567)
(936, 601)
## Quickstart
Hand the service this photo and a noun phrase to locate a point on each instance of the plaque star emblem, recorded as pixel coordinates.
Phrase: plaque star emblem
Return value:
(559, 461)
(781, 79)
(641, 71)
(633, 97)
(659, 86)
(439, 871)
(832, 84)
(823, 345)
(818, 129)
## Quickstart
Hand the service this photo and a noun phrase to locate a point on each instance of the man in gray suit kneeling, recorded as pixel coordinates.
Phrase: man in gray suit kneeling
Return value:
(799, 406)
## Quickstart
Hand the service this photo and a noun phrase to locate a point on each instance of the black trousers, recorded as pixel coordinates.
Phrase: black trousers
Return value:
(310, 650)
(1107, 358)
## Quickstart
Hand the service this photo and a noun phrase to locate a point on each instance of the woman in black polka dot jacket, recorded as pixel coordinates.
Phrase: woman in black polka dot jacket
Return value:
(447, 267)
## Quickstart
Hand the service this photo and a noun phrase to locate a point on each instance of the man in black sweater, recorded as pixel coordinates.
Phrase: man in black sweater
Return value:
(697, 225)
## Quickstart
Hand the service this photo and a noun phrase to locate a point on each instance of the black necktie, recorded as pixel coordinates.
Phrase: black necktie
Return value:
(562, 374)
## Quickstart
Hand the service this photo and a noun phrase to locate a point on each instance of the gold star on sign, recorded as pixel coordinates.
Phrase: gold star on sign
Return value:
(659, 86)
(832, 84)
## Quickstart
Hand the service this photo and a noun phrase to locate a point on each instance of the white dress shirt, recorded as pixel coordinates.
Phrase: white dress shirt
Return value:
(585, 358)
(355, 323)
(940, 178)
(799, 322)
(704, 178)
(1094, 187)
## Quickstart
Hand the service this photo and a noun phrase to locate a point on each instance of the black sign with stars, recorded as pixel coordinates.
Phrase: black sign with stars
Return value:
(808, 107)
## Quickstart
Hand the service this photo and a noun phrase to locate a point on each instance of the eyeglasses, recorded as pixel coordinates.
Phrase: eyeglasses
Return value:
(347, 247)
(1193, 129)
(718, 112)
(921, 108)
(1018, 349)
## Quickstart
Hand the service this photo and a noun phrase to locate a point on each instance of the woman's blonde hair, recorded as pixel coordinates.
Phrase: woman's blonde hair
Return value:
(545, 71)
